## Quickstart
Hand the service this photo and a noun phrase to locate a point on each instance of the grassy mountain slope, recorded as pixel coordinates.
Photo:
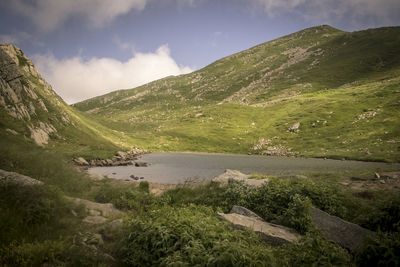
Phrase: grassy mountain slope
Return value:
(343, 89)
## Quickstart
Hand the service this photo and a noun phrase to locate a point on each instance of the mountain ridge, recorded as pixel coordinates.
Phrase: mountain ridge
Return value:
(191, 112)
(32, 110)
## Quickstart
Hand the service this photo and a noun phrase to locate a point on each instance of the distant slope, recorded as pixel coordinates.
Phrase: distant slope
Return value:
(30, 111)
(342, 88)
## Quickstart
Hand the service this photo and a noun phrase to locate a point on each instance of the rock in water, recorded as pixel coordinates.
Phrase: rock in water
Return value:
(346, 234)
(140, 164)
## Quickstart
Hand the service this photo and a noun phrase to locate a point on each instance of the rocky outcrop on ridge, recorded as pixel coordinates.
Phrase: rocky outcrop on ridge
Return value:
(26, 96)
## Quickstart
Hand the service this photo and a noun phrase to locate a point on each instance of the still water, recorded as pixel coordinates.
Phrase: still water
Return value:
(174, 168)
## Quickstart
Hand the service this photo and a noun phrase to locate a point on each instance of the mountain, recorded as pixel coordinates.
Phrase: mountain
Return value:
(319, 92)
(31, 112)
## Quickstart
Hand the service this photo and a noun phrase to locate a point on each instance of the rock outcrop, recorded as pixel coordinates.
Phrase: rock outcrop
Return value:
(7, 178)
(232, 175)
(98, 212)
(121, 158)
(346, 234)
(26, 96)
(273, 234)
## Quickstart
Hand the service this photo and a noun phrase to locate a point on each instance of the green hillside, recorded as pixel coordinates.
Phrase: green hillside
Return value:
(319, 92)
(342, 88)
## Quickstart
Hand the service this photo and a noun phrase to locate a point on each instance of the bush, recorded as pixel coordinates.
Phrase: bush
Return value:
(385, 216)
(313, 250)
(205, 194)
(189, 236)
(285, 201)
(25, 209)
(31, 254)
(144, 187)
(130, 198)
(381, 250)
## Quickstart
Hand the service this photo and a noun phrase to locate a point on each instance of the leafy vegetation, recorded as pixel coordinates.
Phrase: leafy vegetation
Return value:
(170, 236)
(343, 90)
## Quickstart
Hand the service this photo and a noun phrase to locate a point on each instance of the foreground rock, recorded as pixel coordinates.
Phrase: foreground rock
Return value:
(121, 158)
(346, 234)
(273, 234)
(232, 175)
(98, 212)
(13, 178)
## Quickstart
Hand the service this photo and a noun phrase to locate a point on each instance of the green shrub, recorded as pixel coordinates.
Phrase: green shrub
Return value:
(25, 209)
(144, 186)
(381, 250)
(22, 61)
(126, 198)
(205, 194)
(313, 250)
(385, 216)
(285, 201)
(31, 254)
(189, 236)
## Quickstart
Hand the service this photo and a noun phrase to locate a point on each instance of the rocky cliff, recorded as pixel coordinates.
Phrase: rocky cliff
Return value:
(26, 97)
(31, 110)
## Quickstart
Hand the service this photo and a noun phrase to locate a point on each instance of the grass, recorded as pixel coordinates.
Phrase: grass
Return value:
(322, 77)
(312, 79)
(261, 176)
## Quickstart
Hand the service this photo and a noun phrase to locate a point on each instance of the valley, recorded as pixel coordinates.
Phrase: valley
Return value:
(327, 81)
(308, 125)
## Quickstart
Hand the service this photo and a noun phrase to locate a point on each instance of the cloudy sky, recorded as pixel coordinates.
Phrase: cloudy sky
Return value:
(86, 48)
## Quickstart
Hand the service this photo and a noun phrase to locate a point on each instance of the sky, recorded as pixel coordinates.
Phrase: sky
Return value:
(86, 48)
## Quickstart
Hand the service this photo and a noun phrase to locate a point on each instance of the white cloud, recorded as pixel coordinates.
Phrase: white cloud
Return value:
(50, 14)
(124, 46)
(76, 79)
(372, 12)
(14, 38)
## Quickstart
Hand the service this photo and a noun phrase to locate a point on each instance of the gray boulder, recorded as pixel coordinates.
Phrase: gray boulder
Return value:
(346, 234)
(273, 234)
(294, 128)
(232, 175)
(121, 154)
(98, 212)
(245, 212)
(14, 178)
(81, 161)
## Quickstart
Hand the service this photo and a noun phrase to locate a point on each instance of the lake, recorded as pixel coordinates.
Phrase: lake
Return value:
(174, 168)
